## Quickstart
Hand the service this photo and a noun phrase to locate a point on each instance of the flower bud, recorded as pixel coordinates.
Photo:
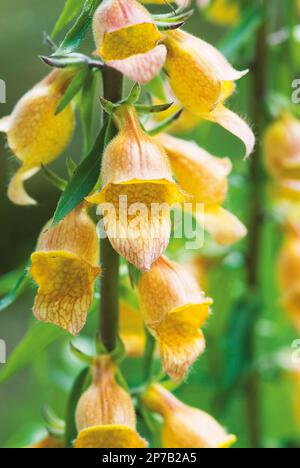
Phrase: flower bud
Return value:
(105, 414)
(282, 148)
(202, 79)
(35, 134)
(65, 266)
(137, 193)
(127, 39)
(132, 330)
(184, 426)
(205, 178)
(174, 309)
(222, 12)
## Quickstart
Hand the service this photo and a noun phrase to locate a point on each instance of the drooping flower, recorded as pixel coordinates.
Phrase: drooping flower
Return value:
(202, 79)
(137, 192)
(174, 309)
(282, 148)
(105, 414)
(184, 426)
(205, 177)
(65, 266)
(289, 273)
(132, 330)
(35, 134)
(128, 40)
(223, 12)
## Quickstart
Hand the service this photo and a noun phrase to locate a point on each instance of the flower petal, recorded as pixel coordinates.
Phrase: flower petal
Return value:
(141, 68)
(5, 124)
(132, 330)
(224, 226)
(65, 289)
(110, 436)
(16, 191)
(235, 125)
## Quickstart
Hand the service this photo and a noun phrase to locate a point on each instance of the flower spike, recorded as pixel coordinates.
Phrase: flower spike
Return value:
(65, 267)
(35, 134)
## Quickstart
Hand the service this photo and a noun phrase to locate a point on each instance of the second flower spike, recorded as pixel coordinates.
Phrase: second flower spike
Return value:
(137, 193)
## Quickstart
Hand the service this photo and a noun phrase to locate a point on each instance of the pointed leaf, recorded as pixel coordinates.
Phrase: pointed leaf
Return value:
(86, 109)
(13, 295)
(73, 88)
(71, 9)
(54, 179)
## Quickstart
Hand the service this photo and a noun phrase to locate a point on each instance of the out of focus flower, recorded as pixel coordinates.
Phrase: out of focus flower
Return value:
(282, 148)
(47, 443)
(223, 12)
(65, 266)
(202, 79)
(127, 39)
(132, 330)
(289, 273)
(105, 414)
(174, 309)
(35, 134)
(137, 192)
(205, 177)
(184, 426)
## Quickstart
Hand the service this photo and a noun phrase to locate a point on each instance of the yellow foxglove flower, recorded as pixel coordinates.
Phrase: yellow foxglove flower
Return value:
(132, 330)
(138, 191)
(127, 39)
(65, 267)
(223, 12)
(184, 426)
(105, 414)
(35, 134)
(174, 309)
(205, 178)
(289, 273)
(202, 79)
(282, 148)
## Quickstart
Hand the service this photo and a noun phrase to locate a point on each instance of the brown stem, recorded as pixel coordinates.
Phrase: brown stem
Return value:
(252, 386)
(109, 302)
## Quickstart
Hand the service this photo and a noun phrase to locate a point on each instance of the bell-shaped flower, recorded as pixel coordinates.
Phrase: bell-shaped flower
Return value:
(222, 12)
(282, 148)
(174, 309)
(128, 40)
(35, 134)
(184, 426)
(105, 414)
(132, 330)
(289, 273)
(205, 178)
(202, 79)
(137, 192)
(65, 266)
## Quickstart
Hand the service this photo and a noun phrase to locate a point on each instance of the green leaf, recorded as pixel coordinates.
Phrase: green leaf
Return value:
(240, 35)
(77, 33)
(73, 88)
(77, 390)
(165, 124)
(71, 9)
(13, 295)
(86, 108)
(153, 109)
(71, 166)
(84, 179)
(54, 179)
(36, 340)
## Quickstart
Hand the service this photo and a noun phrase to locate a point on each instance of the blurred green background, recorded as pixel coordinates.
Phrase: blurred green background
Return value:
(50, 376)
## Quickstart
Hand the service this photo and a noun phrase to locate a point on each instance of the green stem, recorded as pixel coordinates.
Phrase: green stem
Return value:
(149, 355)
(110, 260)
(252, 386)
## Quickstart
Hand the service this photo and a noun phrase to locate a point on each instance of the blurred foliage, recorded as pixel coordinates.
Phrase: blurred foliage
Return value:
(51, 375)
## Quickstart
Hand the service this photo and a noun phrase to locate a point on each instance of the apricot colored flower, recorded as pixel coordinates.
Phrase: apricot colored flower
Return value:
(282, 148)
(205, 178)
(47, 443)
(127, 39)
(289, 273)
(132, 330)
(184, 426)
(223, 12)
(105, 414)
(137, 192)
(35, 134)
(65, 266)
(202, 79)
(174, 309)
